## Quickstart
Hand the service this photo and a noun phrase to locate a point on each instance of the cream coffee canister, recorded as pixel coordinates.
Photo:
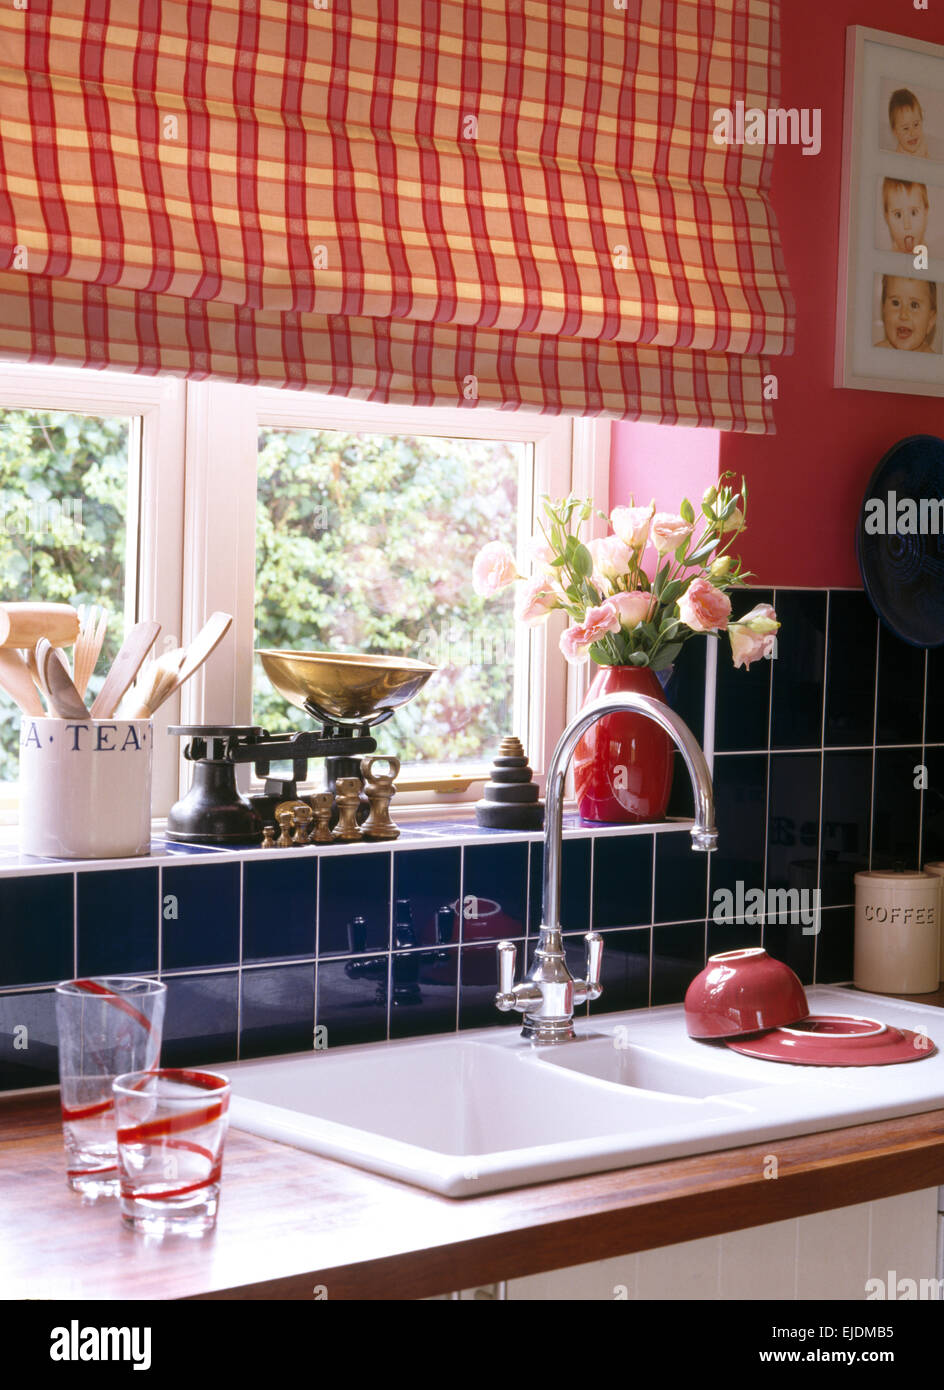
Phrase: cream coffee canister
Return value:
(897, 932)
(85, 787)
(937, 869)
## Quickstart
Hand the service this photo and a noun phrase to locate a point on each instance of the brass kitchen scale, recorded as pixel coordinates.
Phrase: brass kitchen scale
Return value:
(348, 695)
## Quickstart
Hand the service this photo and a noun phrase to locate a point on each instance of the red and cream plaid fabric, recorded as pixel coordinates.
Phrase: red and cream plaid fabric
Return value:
(517, 203)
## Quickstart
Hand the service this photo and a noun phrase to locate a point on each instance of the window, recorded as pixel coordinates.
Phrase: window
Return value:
(319, 523)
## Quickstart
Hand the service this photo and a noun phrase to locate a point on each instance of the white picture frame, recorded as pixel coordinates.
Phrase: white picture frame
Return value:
(890, 312)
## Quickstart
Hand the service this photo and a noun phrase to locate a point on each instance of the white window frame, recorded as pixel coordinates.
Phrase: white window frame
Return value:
(195, 499)
(223, 423)
(155, 544)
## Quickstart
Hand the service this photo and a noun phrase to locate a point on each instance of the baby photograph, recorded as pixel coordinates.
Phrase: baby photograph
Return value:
(911, 120)
(909, 215)
(905, 314)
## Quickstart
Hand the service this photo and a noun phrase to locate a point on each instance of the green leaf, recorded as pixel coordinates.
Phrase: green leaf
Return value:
(686, 510)
(666, 656)
(659, 581)
(639, 658)
(582, 560)
(672, 592)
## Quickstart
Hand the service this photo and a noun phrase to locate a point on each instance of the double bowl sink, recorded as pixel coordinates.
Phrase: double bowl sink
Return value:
(481, 1111)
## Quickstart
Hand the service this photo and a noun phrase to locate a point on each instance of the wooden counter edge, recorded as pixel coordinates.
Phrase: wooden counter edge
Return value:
(619, 1213)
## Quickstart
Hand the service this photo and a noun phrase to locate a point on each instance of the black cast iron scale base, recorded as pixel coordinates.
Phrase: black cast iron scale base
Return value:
(214, 812)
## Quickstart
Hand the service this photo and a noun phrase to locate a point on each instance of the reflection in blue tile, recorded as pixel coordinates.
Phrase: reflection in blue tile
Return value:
(933, 840)
(575, 883)
(279, 908)
(678, 954)
(681, 879)
(199, 915)
(835, 945)
(352, 1000)
(900, 716)
(278, 1010)
(36, 926)
(733, 936)
(740, 784)
(793, 821)
(896, 809)
(354, 904)
(743, 696)
(934, 715)
(28, 1054)
(429, 881)
(850, 670)
(625, 974)
(424, 992)
(847, 815)
(794, 943)
(622, 881)
(118, 917)
(685, 688)
(797, 697)
(478, 984)
(200, 1022)
(495, 889)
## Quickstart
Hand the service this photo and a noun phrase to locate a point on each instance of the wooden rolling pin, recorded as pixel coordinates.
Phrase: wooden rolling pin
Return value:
(22, 624)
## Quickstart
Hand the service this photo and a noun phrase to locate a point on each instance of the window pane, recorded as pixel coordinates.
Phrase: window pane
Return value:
(63, 520)
(365, 543)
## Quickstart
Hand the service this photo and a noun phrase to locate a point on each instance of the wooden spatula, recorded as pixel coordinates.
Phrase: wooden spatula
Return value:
(206, 641)
(16, 680)
(124, 668)
(22, 624)
(65, 701)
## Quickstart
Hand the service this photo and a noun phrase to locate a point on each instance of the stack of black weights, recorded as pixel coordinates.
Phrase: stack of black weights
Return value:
(511, 798)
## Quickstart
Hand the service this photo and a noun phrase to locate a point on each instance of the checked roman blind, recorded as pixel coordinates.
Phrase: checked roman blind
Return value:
(517, 203)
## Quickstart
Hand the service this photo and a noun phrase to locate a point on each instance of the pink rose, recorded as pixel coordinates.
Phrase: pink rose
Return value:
(576, 642)
(493, 569)
(754, 636)
(611, 557)
(631, 524)
(668, 531)
(633, 608)
(704, 608)
(535, 600)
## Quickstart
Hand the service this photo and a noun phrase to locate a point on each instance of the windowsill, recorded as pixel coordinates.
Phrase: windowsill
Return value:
(455, 828)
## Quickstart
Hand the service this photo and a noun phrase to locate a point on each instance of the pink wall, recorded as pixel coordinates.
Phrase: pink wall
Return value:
(806, 482)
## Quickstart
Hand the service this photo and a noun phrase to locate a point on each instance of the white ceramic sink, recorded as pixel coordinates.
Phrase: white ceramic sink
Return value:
(474, 1113)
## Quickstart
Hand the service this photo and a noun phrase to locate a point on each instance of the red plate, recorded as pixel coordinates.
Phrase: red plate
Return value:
(837, 1040)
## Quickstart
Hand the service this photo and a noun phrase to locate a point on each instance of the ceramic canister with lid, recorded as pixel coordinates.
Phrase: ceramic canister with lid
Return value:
(897, 932)
(937, 869)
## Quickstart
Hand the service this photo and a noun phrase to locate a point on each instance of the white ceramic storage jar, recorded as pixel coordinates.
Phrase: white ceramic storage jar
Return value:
(937, 868)
(897, 932)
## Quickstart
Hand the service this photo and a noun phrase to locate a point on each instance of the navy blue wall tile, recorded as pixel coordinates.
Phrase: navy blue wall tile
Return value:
(932, 849)
(681, 879)
(733, 936)
(28, 1040)
(742, 711)
(685, 687)
(896, 809)
(429, 880)
(279, 908)
(201, 1019)
(351, 886)
(622, 880)
(934, 718)
(478, 985)
(118, 922)
(793, 821)
(278, 1010)
(626, 969)
(900, 716)
(575, 883)
(793, 942)
(850, 670)
(847, 819)
(740, 784)
(797, 698)
(36, 922)
(678, 954)
(352, 1000)
(494, 889)
(681, 804)
(424, 992)
(201, 925)
(835, 945)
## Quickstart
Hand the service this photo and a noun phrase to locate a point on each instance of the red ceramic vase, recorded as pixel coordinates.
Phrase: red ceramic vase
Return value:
(623, 764)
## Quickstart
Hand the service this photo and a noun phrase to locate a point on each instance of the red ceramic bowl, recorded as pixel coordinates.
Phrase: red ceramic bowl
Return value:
(742, 992)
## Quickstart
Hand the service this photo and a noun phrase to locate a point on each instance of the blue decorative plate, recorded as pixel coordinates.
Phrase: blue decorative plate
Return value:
(901, 559)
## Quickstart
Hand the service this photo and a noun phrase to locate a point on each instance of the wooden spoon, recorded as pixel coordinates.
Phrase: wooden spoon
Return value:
(124, 668)
(65, 700)
(16, 680)
(206, 641)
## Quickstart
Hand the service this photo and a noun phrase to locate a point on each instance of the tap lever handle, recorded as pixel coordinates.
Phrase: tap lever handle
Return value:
(507, 958)
(594, 964)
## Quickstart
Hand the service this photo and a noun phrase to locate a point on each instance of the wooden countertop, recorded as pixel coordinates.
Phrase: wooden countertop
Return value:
(296, 1226)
